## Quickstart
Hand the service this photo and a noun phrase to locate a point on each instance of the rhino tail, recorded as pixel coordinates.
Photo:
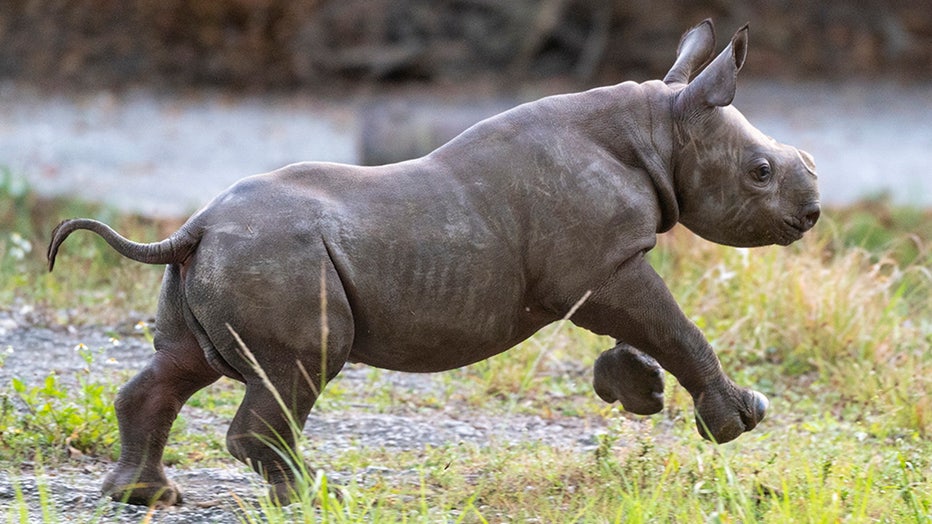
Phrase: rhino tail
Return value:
(174, 249)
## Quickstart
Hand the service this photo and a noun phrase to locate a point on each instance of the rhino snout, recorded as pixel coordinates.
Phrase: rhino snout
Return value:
(809, 215)
(795, 225)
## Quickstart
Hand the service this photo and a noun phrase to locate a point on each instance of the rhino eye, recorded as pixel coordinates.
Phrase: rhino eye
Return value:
(762, 173)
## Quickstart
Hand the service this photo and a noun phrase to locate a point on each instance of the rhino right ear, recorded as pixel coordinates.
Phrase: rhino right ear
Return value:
(694, 52)
(715, 85)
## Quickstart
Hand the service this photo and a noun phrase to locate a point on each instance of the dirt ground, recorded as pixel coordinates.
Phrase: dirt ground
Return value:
(32, 352)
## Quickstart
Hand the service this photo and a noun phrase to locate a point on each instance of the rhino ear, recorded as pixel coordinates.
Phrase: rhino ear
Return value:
(693, 53)
(715, 85)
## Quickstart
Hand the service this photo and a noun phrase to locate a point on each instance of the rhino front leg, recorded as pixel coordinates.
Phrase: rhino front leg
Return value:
(635, 306)
(631, 377)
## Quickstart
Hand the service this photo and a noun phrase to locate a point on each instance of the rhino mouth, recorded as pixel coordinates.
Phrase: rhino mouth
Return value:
(790, 231)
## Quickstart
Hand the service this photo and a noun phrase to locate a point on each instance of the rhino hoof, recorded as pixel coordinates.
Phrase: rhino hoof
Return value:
(162, 496)
(630, 377)
(125, 485)
(759, 405)
(720, 427)
(283, 494)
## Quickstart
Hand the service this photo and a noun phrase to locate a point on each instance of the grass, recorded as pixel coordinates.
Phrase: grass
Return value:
(95, 285)
(836, 330)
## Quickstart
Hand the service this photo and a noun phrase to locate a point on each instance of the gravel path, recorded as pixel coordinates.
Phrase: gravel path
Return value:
(32, 352)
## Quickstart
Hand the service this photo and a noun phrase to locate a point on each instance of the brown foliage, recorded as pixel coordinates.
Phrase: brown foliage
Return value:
(290, 43)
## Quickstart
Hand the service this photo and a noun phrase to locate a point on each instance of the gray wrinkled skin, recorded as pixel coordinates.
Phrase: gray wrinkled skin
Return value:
(442, 261)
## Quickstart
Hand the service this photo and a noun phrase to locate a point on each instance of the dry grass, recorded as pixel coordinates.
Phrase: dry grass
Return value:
(836, 330)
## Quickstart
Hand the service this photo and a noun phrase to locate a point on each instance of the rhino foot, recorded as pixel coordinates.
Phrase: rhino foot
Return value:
(723, 417)
(627, 375)
(131, 486)
(283, 493)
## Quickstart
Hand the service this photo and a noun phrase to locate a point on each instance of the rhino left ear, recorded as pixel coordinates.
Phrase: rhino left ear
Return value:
(715, 85)
(693, 53)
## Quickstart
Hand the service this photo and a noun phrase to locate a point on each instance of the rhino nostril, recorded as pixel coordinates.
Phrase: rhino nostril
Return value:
(810, 216)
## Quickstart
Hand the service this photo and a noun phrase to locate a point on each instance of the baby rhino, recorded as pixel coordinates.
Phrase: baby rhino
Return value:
(445, 260)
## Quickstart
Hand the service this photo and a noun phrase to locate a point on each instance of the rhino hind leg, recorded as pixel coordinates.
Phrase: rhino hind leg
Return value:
(147, 405)
(285, 342)
(273, 412)
(627, 375)
(263, 436)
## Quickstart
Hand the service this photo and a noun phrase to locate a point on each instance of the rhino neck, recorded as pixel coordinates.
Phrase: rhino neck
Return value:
(631, 123)
(641, 136)
(656, 157)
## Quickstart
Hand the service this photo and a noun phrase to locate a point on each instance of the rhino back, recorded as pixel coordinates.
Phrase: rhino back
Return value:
(459, 255)
(579, 172)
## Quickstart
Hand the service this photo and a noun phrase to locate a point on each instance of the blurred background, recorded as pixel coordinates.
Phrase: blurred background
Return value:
(157, 105)
(286, 44)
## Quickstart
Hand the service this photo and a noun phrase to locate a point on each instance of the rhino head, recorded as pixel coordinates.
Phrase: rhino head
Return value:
(734, 184)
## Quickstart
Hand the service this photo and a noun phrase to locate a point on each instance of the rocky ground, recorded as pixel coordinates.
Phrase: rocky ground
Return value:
(32, 352)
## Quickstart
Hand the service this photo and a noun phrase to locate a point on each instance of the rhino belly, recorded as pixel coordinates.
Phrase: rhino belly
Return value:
(433, 319)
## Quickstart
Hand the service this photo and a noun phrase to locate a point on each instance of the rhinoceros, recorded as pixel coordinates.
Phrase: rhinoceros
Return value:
(442, 261)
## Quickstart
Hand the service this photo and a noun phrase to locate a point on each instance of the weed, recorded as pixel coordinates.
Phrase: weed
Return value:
(53, 417)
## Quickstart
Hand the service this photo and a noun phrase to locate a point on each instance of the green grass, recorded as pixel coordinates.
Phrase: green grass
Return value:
(50, 416)
(93, 283)
(836, 330)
